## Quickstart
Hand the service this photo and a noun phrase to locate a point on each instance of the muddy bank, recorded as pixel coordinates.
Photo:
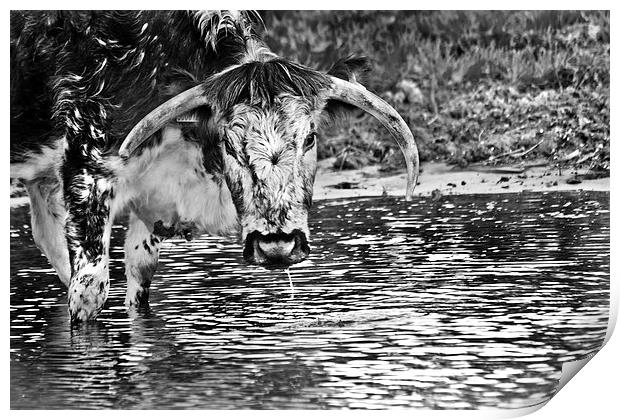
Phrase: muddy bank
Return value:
(447, 180)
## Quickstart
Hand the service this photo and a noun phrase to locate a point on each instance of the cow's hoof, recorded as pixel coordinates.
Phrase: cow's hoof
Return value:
(139, 299)
(86, 297)
(143, 310)
(81, 316)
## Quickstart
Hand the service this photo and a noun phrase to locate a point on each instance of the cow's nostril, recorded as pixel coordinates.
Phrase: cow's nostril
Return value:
(276, 249)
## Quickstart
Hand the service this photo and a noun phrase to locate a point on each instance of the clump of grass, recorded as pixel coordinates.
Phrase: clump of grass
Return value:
(489, 82)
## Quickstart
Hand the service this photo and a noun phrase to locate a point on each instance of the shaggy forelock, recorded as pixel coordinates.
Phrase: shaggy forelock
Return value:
(261, 82)
(269, 138)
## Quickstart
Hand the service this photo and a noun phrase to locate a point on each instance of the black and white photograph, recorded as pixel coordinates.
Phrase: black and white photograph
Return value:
(306, 209)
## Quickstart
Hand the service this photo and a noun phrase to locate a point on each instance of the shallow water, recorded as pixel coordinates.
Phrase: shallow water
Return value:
(463, 302)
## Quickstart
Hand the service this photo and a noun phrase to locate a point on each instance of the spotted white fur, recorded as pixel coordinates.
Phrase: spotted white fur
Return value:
(167, 183)
(141, 257)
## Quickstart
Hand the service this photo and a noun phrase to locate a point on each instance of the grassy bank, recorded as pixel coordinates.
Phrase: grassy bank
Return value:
(495, 88)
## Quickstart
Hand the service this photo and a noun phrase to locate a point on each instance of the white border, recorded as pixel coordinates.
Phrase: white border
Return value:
(593, 393)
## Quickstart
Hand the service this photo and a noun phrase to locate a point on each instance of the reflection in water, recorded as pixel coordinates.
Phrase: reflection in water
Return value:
(464, 302)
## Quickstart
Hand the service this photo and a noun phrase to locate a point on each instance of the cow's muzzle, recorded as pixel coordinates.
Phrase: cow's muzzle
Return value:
(276, 249)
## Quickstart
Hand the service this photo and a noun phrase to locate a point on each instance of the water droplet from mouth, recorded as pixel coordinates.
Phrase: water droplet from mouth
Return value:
(290, 280)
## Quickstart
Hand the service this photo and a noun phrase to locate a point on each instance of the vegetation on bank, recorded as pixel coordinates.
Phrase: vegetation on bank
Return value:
(493, 88)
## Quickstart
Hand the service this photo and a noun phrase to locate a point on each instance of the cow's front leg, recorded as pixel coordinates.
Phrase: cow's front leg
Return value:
(47, 213)
(88, 192)
(141, 255)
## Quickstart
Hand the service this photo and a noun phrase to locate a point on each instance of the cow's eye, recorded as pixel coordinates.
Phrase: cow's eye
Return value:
(309, 142)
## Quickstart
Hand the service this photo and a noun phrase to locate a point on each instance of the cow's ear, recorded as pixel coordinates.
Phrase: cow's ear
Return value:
(175, 82)
(353, 69)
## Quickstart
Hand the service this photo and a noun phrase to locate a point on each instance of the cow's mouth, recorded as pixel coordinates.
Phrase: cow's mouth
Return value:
(276, 249)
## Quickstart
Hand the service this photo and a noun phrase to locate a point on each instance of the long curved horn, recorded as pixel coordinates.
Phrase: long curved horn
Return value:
(160, 116)
(355, 94)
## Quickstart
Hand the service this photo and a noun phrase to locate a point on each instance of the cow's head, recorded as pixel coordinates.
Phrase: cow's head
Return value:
(264, 117)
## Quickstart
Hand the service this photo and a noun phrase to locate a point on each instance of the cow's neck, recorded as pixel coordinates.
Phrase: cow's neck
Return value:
(168, 182)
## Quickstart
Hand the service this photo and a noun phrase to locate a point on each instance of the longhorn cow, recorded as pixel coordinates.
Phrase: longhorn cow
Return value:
(185, 119)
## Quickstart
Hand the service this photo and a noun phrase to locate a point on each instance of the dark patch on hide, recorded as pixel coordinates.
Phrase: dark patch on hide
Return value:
(162, 231)
(204, 132)
(307, 197)
(108, 65)
(154, 240)
(236, 192)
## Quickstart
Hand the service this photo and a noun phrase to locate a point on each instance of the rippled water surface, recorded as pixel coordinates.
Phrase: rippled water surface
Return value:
(463, 302)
